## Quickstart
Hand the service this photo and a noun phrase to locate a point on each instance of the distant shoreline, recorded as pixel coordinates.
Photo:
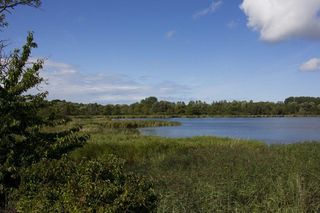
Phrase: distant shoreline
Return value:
(208, 116)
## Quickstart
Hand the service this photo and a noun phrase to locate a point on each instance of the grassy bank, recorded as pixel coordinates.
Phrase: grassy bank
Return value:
(208, 174)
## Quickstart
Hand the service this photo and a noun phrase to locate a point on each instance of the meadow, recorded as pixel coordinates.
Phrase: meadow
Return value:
(209, 174)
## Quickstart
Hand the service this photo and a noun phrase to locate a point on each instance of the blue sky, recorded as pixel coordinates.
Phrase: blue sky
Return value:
(120, 51)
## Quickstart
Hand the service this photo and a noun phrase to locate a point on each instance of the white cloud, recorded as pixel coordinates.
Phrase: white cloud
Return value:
(311, 65)
(215, 4)
(277, 20)
(170, 34)
(67, 82)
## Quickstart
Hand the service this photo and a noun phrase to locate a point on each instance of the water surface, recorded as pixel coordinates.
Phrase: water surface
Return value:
(269, 130)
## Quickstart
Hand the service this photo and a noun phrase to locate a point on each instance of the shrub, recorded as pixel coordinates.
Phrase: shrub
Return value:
(86, 186)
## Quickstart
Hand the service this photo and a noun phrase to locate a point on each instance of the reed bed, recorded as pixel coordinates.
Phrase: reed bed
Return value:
(209, 174)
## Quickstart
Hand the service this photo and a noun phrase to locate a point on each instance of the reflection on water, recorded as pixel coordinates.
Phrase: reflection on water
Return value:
(269, 130)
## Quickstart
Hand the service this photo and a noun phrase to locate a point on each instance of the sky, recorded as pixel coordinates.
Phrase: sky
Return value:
(121, 51)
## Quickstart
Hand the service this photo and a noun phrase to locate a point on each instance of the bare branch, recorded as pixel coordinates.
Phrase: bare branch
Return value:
(6, 6)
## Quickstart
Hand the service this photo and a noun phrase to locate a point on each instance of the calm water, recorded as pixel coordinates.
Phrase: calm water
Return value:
(269, 130)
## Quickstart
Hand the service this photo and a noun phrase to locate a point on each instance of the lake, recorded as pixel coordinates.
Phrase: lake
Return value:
(269, 130)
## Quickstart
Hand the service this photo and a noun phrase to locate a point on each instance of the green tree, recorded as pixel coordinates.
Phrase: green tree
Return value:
(146, 105)
(23, 140)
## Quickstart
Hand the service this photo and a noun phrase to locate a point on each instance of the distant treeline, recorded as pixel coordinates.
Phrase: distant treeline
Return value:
(292, 106)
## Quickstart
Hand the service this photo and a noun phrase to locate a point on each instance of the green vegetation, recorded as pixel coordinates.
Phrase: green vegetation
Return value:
(23, 140)
(151, 107)
(85, 186)
(119, 170)
(107, 122)
(208, 174)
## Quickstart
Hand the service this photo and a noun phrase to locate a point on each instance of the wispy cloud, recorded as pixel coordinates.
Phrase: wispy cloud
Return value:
(60, 68)
(170, 34)
(67, 82)
(215, 4)
(311, 65)
(232, 24)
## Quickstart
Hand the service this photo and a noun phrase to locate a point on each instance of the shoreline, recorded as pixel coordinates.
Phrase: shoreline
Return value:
(209, 116)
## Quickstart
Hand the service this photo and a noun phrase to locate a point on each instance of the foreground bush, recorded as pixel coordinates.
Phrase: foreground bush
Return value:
(87, 186)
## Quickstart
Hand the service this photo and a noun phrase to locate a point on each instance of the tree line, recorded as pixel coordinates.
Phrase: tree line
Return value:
(292, 106)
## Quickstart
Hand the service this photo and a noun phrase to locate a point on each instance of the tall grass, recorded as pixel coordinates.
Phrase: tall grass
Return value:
(208, 174)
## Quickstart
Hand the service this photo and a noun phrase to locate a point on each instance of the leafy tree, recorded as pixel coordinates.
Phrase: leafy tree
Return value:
(23, 140)
(146, 104)
(149, 101)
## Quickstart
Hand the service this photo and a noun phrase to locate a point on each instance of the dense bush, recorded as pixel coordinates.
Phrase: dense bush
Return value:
(86, 186)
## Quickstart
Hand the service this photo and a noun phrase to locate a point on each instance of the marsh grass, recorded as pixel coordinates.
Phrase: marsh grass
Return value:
(120, 123)
(209, 174)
